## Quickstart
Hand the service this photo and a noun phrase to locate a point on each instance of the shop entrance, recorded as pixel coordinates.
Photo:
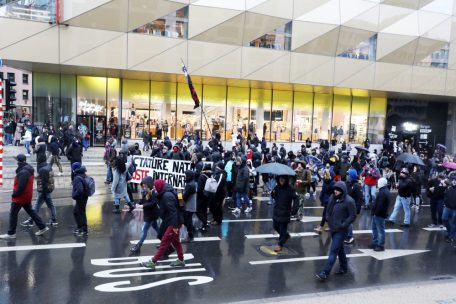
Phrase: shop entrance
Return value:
(97, 127)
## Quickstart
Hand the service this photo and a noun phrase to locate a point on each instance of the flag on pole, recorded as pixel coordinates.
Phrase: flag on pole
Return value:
(191, 87)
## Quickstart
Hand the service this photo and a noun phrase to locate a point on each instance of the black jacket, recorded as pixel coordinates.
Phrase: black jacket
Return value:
(221, 190)
(74, 153)
(450, 198)
(406, 186)
(242, 179)
(326, 192)
(170, 213)
(341, 211)
(439, 191)
(54, 147)
(354, 190)
(286, 202)
(381, 203)
(151, 209)
(79, 187)
(45, 179)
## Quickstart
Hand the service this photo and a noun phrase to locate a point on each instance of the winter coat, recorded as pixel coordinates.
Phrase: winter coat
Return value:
(170, 213)
(242, 180)
(439, 191)
(355, 191)
(189, 194)
(151, 209)
(341, 212)
(119, 184)
(54, 147)
(45, 179)
(381, 203)
(23, 185)
(110, 154)
(450, 198)
(220, 175)
(28, 135)
(74, 153)
(80, 190)
(286, 202)
(371, 175)
(326, 192)
(40, 151)
(406, 186)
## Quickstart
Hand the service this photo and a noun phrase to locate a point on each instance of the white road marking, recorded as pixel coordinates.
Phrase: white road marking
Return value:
(134, 260)
(42, 247)
(384, 255)
(139, 271)
(197, 239)
(434, 229)
(310, 219)
(247, 220)
(272, 236)
(370, 231)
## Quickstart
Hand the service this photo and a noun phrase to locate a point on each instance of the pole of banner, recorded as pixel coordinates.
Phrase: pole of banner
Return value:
(1, 132)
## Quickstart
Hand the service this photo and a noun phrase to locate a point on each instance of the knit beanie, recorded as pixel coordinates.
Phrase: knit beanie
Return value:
(159, 184)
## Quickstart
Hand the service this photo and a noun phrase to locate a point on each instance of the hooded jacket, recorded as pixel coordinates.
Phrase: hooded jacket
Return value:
(242, 179)
(355, 191)
(286, 202)
(54, 146)
(79, 187)
(341, 211)
(74, 153)
(170, 213)
(406, 186)
(45, 178)
(149, 201)
(189, 194)
(450, 198)
(381, 203)
(23, 184)
(326, 192)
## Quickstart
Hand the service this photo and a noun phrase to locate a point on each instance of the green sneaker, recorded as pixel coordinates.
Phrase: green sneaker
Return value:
(148, 264)
(177, 263)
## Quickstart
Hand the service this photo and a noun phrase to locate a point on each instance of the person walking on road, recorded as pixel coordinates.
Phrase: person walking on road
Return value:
(109, 157)
(405, 189)
(74, 155)
(44, 186)
(286, 204)
(325, 194)
(172, 219)
(371, 175)
(151, 211)
(449, 212)
(341, 213)
(119, 185)
(80, 195)
(379, 214)
(55, 157)
(189, 197)
(22, 198)
(241, 187)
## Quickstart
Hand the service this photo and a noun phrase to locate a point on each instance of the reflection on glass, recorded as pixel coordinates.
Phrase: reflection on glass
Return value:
(39, 11)
(260, 115)
(282, 110)
(173, 25)
(365, 50)
(302, 120)
(279, 39)
(188, 119)
(135, 107)
(214, 108)
(437, 59)
(68, 99)
(358, 126)
(46, 97)
(322, 117)
(237, 116)
(113, 109)
(341, 118)
(162, 108)
(91, 95)
(377, 120)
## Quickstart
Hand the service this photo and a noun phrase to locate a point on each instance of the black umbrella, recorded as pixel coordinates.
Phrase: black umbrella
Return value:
(275, 169)
(359, 148)
(410, 159)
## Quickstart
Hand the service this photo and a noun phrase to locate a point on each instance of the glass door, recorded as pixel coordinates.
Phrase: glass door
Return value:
(98, 131)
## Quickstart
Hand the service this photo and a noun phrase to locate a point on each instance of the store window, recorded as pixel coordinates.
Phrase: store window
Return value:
(341, 118)
(214, 103)
(46, 98)
(365, 50)
(377, 120)
(25, 78)
(237, 115)
(188, 119)
(163, 108)
(437, 59)
(282, 112)
(25, 94)
(260, 115)
(112, 121)
(135, 107)
(358, 126)
(91, 95)
(278, 39)
(68, 98)
(302, 119)
(322, 116)
(11, 77)
(174, 25)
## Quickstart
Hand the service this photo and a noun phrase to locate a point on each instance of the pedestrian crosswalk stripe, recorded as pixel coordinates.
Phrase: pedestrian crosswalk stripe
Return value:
(434, 229)
(41, 247)
(197, 239)
(370, 231)
(271, 236)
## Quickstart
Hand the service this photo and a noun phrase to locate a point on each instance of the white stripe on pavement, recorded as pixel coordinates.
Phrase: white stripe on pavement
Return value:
(197, 239)
(314, 258)
(108, 273)
(434, 229)
(41, 247)
(271, 236)
(247, 220)
(135, 260)
(370, 231)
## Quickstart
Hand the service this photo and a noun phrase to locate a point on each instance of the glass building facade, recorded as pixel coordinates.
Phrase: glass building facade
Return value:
(128, 108)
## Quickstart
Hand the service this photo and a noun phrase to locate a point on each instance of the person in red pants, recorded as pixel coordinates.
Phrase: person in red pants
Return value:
(172, 219)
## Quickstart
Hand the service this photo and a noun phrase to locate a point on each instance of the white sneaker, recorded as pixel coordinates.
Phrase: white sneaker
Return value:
(237, 210)
(42, 231)
(248, 210)
(7, 236)
(60, 174)
(27, 155)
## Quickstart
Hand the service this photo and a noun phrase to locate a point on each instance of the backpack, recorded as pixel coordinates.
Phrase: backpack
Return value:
(211, 186)
(89, 183)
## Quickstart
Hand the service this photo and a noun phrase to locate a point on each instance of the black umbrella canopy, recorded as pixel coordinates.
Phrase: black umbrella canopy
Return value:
(275, 169)
(410, 159)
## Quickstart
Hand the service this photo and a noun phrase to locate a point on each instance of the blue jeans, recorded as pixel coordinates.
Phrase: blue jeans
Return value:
(403, 202)
(45, 197)
(242, 196)
(369, 192)
(350, 231)
(145, 229)
(9, 138)
(85, 143)
(337, 250)
(27, 146)
(108, 173)
(449, 220)
(117, 199)
(436, 211)
(378, 231)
